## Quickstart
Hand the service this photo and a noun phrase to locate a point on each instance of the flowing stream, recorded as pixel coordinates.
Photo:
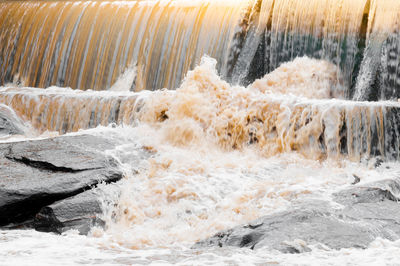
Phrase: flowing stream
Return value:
(247, 107)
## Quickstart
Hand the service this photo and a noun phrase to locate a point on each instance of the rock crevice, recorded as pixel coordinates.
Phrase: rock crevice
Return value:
(46, 165)
(35, 174)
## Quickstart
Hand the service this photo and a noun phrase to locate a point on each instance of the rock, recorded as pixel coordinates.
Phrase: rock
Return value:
(10, 124)
(37, 173)
(357, 179)
(80, 212)
(296, 246)
(370, 193)
(367, 212)
(316, 224)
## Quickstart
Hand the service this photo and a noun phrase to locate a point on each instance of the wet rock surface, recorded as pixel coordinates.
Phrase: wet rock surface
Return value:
(357, 216)
(80, 212)
(35, 174)
(10, 124)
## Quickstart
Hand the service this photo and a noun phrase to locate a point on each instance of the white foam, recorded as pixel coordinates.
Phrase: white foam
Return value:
(126, 81)
(191, 187)
(185, 194)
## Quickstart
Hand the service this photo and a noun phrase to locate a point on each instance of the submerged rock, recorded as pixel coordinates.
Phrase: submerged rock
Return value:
(38, 173)
(367, 212)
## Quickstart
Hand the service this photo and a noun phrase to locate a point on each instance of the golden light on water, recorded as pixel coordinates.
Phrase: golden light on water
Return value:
(87, 45)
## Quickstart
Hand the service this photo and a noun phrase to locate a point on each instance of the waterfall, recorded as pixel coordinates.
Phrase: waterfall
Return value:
(207, 109)
(88, 44)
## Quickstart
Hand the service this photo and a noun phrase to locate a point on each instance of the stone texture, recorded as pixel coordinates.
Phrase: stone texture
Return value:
(80, 212)
(10, 124)
(34, 174)
(365, 212)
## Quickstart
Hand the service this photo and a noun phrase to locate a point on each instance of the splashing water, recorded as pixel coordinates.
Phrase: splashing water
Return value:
(126, 81)
(272, 114)
(205, 174)
(252, 133)
(218, 156)
(305, 77)
(207, 109)
(183, 194)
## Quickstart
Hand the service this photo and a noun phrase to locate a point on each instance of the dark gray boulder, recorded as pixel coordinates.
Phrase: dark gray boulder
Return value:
(80, 212)
(35, 174)
(10, 124)
(363, 214)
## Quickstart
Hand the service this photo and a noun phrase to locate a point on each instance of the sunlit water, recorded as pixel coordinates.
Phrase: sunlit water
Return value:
(217, 154)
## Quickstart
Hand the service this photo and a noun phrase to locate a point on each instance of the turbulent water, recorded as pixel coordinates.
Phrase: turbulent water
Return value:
(264, 105)
(184, 194)
(89, 44)
(213, 166)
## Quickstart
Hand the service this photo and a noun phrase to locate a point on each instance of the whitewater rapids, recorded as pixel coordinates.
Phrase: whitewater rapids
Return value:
(205, 175)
